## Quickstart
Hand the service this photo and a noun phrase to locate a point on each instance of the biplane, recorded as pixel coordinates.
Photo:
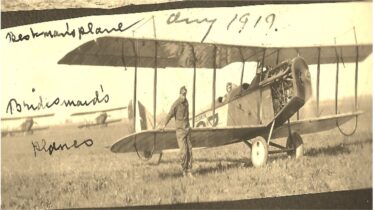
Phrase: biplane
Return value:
(101, 119)
(257, 114)
(26, 127)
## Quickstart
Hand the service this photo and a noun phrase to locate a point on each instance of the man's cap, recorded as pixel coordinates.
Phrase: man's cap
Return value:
(183, 88)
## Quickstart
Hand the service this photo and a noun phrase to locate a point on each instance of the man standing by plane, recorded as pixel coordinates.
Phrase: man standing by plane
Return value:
(179, 111)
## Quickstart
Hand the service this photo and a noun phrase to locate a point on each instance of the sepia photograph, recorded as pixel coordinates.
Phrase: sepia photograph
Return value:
(186, 104)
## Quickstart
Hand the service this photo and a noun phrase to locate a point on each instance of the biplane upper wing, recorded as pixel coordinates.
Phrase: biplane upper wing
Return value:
(129, 52)
(93, 112)
(32, 129)
(200, 137)
(314, 124)
(24, 117)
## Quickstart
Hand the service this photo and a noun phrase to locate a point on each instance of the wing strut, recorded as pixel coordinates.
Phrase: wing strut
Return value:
(243, 65)
(155, 88)
(214, 81)
(356, 70)
(193, 85)
(336, 80)
(155, 76)
(155, 94)
(155, 98)
(262, 68)
(298, 111)
(262, 64)
(318, 76)
(135, 80)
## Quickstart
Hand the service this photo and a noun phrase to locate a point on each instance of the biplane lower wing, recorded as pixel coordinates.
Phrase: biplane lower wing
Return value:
(315, 124)
(95, 124)
(10, 132)
(112, 121)
(31, 130)
(39, 128)
(158, 140)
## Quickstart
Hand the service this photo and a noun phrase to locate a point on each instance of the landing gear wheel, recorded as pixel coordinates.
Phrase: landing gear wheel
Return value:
(259, 152)
(148, 157)
(295, 142)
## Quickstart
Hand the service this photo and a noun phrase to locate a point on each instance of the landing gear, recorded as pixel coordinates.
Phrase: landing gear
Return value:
(259, 152)
(260, 148)
(147, 156)
(147, 153)
(295, 144)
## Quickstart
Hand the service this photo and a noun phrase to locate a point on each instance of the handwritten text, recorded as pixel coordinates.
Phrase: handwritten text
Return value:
(78, 32)
(15, 106)
(56, 147)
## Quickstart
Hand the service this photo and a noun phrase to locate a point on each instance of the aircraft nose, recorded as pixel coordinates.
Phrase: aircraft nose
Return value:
(302, 77)
(305, 78)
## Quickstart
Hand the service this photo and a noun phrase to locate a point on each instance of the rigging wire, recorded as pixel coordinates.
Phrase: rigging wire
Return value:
(356, 80)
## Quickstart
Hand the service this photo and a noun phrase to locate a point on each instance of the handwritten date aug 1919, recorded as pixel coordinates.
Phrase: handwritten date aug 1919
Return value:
(239, 22)
(242, 21)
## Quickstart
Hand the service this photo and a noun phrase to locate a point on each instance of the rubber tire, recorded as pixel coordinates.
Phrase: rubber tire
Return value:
(149, 157)
(147, 154)
(295, 143)
(259, 152)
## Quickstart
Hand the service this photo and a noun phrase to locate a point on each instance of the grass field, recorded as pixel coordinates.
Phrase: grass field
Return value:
(95, 177)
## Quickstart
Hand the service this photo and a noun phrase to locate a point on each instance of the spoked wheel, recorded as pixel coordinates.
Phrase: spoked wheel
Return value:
(295, 142)
(259, 152)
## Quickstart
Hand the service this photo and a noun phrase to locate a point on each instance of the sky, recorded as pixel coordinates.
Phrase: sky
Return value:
(32, 65)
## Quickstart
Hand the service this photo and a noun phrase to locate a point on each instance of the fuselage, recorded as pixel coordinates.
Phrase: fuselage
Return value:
(101, 119)
(27, 125)
(274, 94)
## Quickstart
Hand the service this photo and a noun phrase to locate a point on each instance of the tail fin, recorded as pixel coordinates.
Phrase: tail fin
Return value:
(144, 119)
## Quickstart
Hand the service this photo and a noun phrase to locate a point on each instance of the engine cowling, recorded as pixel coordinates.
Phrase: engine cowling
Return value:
(301, 79)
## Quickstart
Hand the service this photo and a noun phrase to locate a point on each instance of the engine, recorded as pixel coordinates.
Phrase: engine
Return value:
(289, 80)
